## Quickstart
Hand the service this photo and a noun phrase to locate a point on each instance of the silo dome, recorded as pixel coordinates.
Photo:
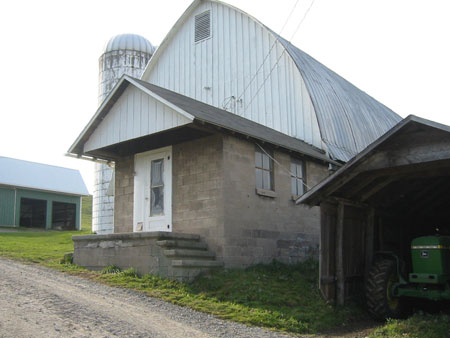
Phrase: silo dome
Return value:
(129, 42)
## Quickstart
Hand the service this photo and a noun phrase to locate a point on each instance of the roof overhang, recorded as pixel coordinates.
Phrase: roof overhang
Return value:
(388, 157)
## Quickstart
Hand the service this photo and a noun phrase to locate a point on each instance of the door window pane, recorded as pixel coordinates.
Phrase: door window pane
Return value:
(157, 172)
(157, 188)
(157, 205)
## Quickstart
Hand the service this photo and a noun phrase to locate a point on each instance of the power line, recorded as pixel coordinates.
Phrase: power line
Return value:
(279, 58)
(270, 50)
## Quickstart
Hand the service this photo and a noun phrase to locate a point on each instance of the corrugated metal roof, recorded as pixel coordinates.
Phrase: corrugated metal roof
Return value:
(349, 119)
(40, 176)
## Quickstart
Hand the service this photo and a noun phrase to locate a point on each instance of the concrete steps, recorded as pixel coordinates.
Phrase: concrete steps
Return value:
(182, 244)
(187, 256)
(184, 253)
(196, 263)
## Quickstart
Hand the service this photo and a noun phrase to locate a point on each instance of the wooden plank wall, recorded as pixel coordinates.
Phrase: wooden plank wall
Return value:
(328, 214)
(353, 250)
(355, 220)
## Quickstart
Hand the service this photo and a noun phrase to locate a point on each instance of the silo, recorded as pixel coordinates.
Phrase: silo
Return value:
(123, 54)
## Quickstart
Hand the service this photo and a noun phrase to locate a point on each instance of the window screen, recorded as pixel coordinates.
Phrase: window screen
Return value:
(157, 188)
(202, 26)
(297, 177)
(264, 170)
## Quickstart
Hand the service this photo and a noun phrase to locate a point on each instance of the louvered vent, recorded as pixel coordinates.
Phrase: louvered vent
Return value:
(202, 26)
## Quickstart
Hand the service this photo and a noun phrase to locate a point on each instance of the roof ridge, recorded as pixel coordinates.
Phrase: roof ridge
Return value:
(39, 163)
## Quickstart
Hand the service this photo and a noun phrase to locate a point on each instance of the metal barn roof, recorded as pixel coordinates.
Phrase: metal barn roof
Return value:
(349, 119)
(32, 175)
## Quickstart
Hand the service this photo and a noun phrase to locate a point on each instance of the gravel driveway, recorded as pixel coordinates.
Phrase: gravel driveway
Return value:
(40, 302)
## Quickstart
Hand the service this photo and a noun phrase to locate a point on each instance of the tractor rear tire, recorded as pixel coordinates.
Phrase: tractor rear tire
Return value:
(381, 304)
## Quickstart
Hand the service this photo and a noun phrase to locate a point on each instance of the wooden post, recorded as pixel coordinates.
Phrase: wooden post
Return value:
(370, 231)
(340, 274)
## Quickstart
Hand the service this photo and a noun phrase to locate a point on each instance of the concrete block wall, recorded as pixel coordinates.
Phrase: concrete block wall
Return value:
(124, 195)
(258, 229)
(197, 180)
(214, 196)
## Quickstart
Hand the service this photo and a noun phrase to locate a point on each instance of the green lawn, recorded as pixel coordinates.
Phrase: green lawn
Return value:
(45, 247)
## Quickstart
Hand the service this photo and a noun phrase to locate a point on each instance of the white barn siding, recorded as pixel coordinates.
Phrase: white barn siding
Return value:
(135, 114)
(226, 65)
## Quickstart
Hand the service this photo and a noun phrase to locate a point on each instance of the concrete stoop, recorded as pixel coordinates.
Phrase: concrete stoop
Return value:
(174, 255)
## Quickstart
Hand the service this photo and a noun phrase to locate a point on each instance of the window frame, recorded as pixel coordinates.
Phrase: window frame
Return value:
(294, 175)
(260, 166)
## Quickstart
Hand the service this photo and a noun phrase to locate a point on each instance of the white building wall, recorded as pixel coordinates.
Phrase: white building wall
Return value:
(135, 114)
(240, 68)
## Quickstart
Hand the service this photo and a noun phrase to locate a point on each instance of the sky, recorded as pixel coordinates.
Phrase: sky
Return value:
(396, 51)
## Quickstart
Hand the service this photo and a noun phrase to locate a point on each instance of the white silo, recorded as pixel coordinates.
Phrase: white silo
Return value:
(123, 54)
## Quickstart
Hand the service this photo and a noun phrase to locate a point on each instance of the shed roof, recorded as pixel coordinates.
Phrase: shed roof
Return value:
(414, 130)
(201, 112)
(32, 175)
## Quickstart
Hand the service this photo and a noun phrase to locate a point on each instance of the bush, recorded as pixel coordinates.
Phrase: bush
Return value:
(67, 259)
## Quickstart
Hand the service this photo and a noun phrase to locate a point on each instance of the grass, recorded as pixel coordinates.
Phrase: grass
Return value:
(420, 325)
(276, 296)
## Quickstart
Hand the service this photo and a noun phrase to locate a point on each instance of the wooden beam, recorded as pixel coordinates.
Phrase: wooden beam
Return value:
(340, 274)
(370, 232)
(348, 202)
(376, 188)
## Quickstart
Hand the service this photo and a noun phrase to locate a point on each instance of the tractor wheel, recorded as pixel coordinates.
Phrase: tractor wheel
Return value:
(381, 304)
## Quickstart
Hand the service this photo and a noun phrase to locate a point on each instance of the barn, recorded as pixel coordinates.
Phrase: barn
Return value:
(42, 196)
(392, 192)
(228, 125)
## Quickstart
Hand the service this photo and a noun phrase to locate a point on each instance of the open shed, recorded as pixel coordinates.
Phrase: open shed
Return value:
(393, 191)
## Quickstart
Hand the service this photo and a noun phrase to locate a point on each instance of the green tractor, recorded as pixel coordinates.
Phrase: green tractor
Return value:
(388, 288)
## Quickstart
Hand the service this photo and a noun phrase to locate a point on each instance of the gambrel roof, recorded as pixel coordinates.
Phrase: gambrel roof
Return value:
(348, 119)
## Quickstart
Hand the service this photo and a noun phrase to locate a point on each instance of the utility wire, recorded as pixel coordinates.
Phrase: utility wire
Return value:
(279, 58)
(270, 50)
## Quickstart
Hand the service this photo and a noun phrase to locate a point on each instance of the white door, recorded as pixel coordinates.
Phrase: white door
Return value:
(153, 190)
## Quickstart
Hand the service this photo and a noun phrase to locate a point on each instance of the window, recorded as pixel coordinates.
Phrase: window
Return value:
(157, 188)
(264, 170)
(297, 177)
(202, 26)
